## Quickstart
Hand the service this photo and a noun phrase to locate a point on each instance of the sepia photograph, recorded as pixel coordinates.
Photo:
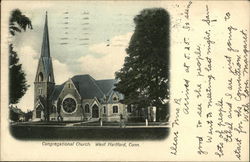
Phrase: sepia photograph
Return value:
(119, 80)
(91, 75)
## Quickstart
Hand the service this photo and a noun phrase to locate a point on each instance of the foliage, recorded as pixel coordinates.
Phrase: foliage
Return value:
(143, 79)
(18, 22)
(13, 115)
(17, 81)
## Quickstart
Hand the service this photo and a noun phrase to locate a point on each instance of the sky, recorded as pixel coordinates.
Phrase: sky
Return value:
(85, 38)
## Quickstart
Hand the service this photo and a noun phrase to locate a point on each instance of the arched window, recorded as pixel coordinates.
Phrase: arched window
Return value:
(87, 108)
(95, 111)
(115, 109)
(40, 77)
(53, 109)
(49, 79)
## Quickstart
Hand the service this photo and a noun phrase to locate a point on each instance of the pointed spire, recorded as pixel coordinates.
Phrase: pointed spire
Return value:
(45, 52)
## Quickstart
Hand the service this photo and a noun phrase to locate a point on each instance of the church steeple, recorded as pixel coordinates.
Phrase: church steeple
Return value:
(44, 81)
(45, 67)
(45, 52)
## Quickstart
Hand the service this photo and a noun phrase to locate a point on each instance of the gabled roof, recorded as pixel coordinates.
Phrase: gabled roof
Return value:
(88, 87)
(42, 101)
(57, 91)
(110, 96)
(106, 85)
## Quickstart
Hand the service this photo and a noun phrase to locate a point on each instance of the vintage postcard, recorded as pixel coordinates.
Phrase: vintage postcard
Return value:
(125, 80)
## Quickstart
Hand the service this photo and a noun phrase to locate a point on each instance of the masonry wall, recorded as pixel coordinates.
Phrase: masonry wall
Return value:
(110, 116)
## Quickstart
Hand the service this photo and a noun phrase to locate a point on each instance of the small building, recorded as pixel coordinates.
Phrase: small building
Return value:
(16, 114)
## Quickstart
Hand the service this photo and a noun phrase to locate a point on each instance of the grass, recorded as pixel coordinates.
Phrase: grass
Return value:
(96, 123)
(39, 132)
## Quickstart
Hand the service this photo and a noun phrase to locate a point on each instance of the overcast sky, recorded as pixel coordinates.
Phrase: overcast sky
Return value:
(85, 38)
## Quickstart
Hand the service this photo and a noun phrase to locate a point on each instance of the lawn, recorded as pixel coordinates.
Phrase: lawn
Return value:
(61, 132)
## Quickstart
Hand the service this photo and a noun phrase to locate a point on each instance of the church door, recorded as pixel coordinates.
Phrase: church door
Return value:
(95, 111)
(38, 111)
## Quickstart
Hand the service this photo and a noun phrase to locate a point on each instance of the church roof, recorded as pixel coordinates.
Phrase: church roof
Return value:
(106, 85)
(47, 65)
(88, 87)
(57, 91)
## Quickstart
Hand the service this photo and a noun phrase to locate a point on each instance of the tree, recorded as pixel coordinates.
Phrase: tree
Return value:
(13, 116)
(18, 22)
(17, 81)
(143, 79)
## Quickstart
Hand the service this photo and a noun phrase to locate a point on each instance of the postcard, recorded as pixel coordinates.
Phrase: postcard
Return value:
(125, 80)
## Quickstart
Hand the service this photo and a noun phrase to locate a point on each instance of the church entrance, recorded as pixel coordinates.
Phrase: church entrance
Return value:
(95, 111)
(39, 111)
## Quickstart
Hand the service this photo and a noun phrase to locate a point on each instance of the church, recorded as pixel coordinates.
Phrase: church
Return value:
(80, 98)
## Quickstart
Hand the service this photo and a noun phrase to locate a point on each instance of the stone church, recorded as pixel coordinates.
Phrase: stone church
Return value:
(80, 98)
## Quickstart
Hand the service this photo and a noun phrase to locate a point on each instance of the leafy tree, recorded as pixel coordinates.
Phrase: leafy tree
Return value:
(13, 115)
(17, 81)
(18, 22)
(143, 79)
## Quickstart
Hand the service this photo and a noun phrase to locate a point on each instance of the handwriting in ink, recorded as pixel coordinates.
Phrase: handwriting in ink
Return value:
(210, 123)
(199, 109)
(186, 13)
(219, 151)
(175, 144)
(207, 19)
(209, 41)
(198, 60)
(238, 73)
(237, 151)
(230, 64)
(229, 110)
(209, 90)
(198, 90)
(239, 129)
(200, 146)
(246, 52)
(227, 17)
(230, 35)
(186, 98)
(176, 121)
(220, 104)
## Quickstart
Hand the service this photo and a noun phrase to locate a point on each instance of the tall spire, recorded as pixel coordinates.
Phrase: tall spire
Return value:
(45, 52)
